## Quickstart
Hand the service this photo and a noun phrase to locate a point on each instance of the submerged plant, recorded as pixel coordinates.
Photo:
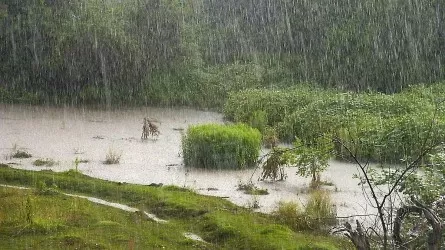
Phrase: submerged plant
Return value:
(273, 167)
(21, 154)
(254, 203)
(77, 161)
(44, 162)
(320, 209)
(112, 157)
(250, 188)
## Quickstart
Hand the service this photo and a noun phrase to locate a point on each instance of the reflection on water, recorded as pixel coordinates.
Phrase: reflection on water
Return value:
(64, 134)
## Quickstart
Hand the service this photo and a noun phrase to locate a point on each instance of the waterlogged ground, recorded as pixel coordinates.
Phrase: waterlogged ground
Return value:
(64, 134)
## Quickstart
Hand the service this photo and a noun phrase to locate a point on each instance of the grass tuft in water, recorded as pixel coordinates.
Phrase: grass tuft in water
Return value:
(44, 162)
(21, 154)
(250, 188)
(112, 157)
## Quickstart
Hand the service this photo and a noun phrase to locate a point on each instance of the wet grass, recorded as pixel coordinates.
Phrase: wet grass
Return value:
(61, 222)
(76, 223)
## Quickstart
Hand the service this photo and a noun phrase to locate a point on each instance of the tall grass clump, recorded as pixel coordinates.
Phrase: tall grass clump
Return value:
(318, 214)
(221, 146)
(291, 214)
(320, 209)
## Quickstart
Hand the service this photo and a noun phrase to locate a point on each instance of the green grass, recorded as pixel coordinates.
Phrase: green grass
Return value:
(220, 146)
(58, 221)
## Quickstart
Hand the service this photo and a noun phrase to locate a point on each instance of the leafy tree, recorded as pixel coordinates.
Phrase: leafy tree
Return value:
(311, 158)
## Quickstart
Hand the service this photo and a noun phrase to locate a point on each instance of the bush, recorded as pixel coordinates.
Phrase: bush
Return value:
(291, 214)
(258, 120)
(270, 137)
(250, 188)
(21, 154)
(318, 214)
(221, 146)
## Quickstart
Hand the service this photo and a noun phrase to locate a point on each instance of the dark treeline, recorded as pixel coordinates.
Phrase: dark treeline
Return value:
(180, 51)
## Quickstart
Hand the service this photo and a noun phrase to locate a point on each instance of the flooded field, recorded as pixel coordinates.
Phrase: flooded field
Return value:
(66, 134)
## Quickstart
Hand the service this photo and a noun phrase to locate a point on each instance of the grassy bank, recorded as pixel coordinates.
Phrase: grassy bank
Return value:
(42, 217)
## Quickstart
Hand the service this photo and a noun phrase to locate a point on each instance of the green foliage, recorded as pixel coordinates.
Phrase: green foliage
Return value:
(241, 106)
(311, 158)
(292, 215)
(270, 137)
(320, 208)
(318, 214)
(91, 54)
(341, 44)
(167, 52)
(29, 210)
(258, 120)
(273, 166)
(200, 87)
(426, 184)
(43, 189)
(378, 127)
(221, 146)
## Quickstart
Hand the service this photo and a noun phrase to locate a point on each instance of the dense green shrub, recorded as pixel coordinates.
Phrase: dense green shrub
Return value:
(258, 120)
(377, 127)
(221, 146)
(292, 215)
(241, 106)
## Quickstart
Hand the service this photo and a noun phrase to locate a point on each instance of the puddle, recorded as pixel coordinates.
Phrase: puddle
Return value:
(17, 187)
(194, 237)
(106, 203)
(64, 134)
(153, 217)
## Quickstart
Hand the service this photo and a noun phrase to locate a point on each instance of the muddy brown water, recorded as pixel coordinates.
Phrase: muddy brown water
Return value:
(64, 134)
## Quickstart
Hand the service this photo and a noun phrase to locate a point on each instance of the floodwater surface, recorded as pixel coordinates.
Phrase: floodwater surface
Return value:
(66, 134)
